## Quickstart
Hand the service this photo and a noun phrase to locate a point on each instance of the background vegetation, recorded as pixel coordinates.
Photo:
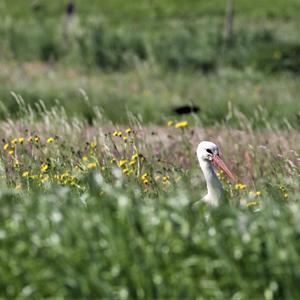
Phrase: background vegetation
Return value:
(152, 56)
(99, 197)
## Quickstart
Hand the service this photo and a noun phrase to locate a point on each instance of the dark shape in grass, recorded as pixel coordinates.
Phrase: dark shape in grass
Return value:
(186, 109)
(70, 8)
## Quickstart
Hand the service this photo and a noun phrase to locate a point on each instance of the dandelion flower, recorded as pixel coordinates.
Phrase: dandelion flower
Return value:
(181, 124)
(6, 146)
(123, 162)
(50, 140)
(14, 141)
(44, 167)
(134, 156)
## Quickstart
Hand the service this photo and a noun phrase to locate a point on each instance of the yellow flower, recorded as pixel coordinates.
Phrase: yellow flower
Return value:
(125, 138)
(64, 175)
(84, 158)
(286, 195)
(132, 162)
(16, 164)
(93, 144)
(240, 186)
(92, 165)
(166, 178)
(6, 146)
(128, 130)
(11, 152)
(134, 156)
(25, 174)
(21, 140)
(170, 123)
(144, 176)
(50, 140)
(146, 181)
(117, 133)
(44, 167)
(36, 139)
(181, 124)
(123, 162)
(258, 193)
(14, 141)
(112, 161)
(125, 171)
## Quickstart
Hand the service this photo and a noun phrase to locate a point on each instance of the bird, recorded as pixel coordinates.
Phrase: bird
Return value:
(208, 154)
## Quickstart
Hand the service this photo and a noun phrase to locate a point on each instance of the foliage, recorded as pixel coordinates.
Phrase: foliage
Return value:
(108, 212)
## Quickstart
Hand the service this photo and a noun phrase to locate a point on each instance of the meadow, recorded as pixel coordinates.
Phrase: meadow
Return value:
(100, 187)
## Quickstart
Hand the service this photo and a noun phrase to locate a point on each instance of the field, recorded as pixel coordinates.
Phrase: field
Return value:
(100, 184)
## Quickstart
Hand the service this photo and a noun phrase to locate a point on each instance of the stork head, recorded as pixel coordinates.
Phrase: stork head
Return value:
(209, 152)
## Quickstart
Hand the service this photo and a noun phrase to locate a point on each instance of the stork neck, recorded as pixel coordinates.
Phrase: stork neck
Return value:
(214, 186)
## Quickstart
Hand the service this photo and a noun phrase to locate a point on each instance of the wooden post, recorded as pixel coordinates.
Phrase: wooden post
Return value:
(228, 24)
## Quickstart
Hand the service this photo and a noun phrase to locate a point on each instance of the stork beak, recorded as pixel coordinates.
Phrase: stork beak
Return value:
(219, 163)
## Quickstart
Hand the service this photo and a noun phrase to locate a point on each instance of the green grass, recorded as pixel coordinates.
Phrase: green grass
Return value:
(81, 230)
(151, 94)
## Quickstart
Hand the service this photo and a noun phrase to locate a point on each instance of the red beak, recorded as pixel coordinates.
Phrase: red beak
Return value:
(219, 163)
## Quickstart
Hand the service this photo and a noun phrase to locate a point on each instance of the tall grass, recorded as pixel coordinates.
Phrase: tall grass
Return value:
(85, 226)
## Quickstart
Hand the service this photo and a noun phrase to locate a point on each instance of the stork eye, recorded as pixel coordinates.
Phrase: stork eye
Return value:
(209, 151)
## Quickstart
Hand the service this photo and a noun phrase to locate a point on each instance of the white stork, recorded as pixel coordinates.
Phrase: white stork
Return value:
(208, 153)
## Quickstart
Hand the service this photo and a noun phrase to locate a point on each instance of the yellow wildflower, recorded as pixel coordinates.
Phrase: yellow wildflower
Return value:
(11, 152)
(132, 162)
(128, 130)
(126, 171)
(181, 124)
(92, 165)
(50, 140)
(157, 177)
(125, 138)
(44, 167)
(14, 141)
(240, 186)
(258, 193)
(36, 139)
(112, 161)
(25, 174)
(6, 146)
(123, 162)
(93, 144)
(134, 156)
(117, 133)
(286, 195)
(21, 140)
(84, 158)
(170, 123)
(144, 176)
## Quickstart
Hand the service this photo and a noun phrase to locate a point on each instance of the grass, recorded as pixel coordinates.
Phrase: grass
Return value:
(99, 197)
(94, 214)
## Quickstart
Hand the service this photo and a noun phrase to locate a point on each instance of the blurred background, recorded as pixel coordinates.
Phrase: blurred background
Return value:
(155, 59)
